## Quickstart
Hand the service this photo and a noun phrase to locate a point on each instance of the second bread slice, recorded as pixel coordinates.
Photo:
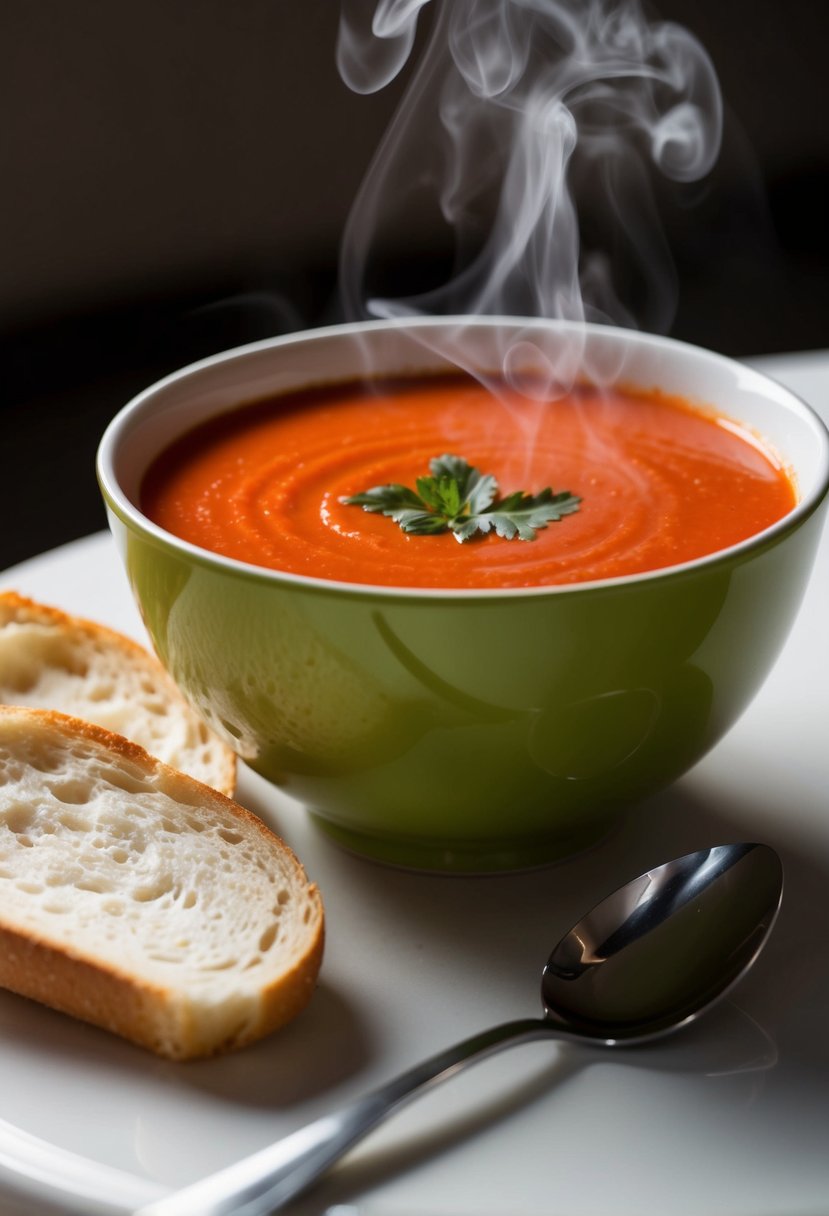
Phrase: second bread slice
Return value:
(51, 660)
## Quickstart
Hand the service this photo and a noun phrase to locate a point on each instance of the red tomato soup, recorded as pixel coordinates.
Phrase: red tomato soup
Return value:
(659, 482)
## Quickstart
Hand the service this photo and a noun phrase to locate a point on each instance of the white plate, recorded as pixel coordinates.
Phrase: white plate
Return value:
(729, 1118)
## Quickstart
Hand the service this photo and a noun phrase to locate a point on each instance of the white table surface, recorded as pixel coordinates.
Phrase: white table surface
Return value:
(730, 1118)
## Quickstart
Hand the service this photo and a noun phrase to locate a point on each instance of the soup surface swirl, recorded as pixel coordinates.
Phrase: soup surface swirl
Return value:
(660, 482)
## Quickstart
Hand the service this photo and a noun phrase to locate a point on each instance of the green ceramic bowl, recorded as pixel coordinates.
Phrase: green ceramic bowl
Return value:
(466, 730)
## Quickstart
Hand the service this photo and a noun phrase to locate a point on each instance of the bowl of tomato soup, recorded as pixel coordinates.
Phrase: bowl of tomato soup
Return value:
(467, 588)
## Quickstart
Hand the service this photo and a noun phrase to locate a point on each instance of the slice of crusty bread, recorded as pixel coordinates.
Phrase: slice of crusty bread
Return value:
(140, 900)
(50, 660)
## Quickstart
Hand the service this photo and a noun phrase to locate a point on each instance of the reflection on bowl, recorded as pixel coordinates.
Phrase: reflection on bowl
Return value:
(465, 730)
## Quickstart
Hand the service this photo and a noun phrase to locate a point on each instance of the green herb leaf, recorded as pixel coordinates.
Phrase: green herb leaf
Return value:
(458, 498)
(382, 500)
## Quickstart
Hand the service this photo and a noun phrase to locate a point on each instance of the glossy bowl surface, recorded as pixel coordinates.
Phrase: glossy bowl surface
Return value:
(466, 730)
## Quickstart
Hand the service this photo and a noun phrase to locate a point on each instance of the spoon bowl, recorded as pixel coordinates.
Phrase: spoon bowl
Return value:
(662, 949)
(647, 960)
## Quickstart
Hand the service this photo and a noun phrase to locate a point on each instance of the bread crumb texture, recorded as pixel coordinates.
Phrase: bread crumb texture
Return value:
(50, 660)
(139, 899)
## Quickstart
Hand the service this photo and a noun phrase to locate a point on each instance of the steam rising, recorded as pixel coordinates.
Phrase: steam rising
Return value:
(534, 129)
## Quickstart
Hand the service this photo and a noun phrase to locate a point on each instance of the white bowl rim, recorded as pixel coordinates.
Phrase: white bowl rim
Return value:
(119, 502)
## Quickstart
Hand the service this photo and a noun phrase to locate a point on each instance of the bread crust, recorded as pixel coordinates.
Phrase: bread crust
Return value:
(141, 1012)
(18, 608)
(150, 1014)
(72, 984)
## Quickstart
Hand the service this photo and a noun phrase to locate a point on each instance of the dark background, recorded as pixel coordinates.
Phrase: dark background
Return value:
(176, 175)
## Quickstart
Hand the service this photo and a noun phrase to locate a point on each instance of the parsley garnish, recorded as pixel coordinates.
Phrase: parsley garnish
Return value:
(457, 498)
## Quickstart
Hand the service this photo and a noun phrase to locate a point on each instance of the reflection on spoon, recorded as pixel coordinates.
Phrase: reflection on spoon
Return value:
(647, 960)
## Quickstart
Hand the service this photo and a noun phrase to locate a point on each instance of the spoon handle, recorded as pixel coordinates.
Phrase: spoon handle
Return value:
(268, 1179)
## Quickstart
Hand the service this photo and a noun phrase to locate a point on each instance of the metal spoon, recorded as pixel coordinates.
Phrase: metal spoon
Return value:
(648, 959)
